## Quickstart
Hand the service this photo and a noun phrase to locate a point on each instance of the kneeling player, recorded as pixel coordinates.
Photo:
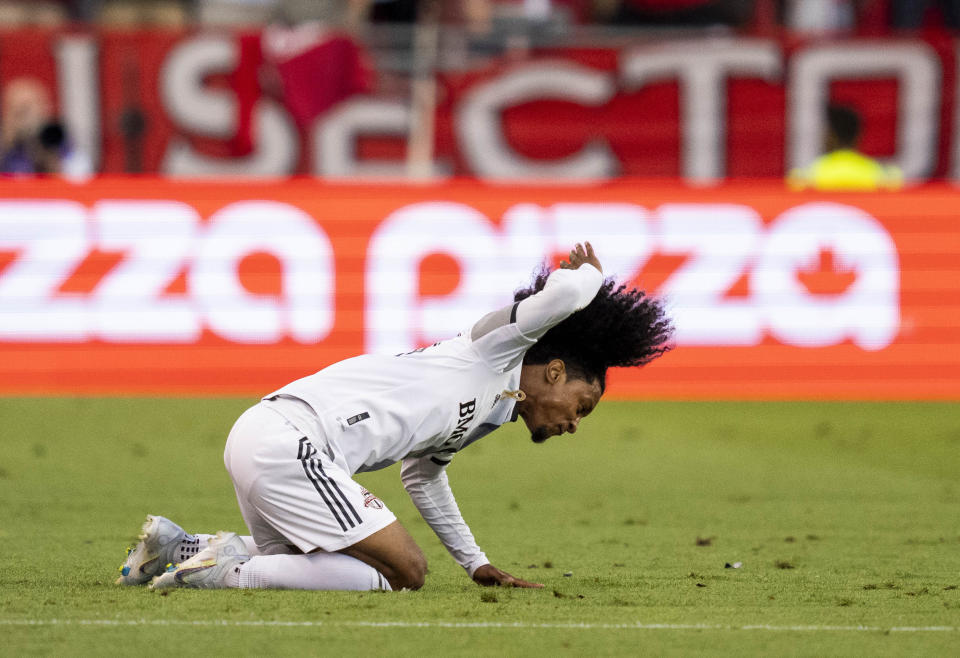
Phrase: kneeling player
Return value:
(292, 456)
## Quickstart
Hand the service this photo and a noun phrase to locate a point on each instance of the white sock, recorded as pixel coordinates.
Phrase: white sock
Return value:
(193, 544)
(314, 571)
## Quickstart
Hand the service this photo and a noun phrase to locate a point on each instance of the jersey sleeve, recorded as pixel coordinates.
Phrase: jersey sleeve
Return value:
(426, 482)
(503, 336)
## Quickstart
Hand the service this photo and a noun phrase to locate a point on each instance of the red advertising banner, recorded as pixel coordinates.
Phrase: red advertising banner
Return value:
(132, 286)
(190, 104)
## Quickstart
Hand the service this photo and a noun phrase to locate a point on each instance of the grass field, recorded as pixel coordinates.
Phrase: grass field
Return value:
(844, 516)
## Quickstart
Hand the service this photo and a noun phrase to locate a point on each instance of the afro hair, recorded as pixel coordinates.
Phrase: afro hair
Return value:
(622, 327)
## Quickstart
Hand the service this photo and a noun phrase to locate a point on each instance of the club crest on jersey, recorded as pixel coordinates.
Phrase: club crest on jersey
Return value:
(369, 500)
(466, 416)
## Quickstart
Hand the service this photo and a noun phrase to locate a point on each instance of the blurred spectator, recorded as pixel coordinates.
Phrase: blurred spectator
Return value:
(393, 11)
(32, 140)
(343, 14)
(348, 15)
(130, 13)
(670, 13)
(43, 13)
(912, 14)
(475, 15)
(842, 167)
(540, 13)
(820, 16)
(235, 12)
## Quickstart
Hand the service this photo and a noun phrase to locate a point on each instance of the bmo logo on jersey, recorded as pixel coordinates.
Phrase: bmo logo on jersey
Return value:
(463, 421)
(819, 274)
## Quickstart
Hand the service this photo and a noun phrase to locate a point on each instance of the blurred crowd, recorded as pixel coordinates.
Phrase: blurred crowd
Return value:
(32, 139)
(296, 50)
(478, 16)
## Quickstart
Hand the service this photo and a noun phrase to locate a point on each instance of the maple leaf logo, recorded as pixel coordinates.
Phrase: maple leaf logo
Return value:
(826, 277)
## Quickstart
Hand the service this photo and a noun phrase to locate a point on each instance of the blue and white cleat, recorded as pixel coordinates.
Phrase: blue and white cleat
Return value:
(207, 569)
(159, 541)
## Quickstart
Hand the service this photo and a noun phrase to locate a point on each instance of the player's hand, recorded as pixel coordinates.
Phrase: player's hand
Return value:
(582, 253)
(489, 576)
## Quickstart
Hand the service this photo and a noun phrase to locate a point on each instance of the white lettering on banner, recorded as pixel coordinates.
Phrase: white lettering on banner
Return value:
(782, 261)
(721, 239)
(917, 71)
(619, 231)
(525, 237)
(159, 239)
(335, 137)
(247, 227)
(79, 89)
(156, 238)
(191, 104)
(702, 68)
(492, 263)
(724, 242)
(395, 316)
(480, 131)
(199, 109)
(867, 312)
(50, 239)
(275, 150)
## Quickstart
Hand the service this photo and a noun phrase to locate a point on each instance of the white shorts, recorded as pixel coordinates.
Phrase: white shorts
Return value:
(291, 493)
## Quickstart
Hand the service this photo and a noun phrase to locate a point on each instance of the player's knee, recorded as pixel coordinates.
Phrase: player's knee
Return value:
(412, 574)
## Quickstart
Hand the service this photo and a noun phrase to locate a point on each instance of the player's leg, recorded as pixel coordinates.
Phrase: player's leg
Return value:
(387, 559)
(301, 498)
(223, 564)
(292, 494)
(394, 553)
(163, 543)
(314, 571)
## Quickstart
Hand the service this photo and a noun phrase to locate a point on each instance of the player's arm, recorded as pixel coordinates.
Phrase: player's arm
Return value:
(425, 479)
(567, 290)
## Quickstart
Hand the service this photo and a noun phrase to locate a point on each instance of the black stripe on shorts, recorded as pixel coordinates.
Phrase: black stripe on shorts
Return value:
(319, 485)
(342, 496)
(328, 489)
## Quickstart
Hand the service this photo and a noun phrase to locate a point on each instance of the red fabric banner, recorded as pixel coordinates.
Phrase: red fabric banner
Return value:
(707, 109)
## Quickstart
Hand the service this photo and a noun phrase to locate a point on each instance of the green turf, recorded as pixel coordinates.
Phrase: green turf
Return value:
(842, 515)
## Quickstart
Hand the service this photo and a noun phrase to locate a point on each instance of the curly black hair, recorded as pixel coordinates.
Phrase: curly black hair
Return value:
(621, 327)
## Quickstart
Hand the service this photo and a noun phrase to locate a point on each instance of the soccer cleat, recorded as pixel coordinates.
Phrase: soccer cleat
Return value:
(159, 541)
(207, 569)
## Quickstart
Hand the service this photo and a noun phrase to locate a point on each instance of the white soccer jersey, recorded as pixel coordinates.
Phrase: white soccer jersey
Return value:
(378, 409)
(424, 406)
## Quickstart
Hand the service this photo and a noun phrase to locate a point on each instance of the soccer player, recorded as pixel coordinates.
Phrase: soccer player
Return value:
(292, 456)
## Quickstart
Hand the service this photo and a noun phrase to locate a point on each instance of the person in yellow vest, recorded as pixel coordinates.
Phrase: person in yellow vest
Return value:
(842, 166)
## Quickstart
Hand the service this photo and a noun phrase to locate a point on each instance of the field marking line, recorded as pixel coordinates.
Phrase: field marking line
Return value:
(482, 624)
